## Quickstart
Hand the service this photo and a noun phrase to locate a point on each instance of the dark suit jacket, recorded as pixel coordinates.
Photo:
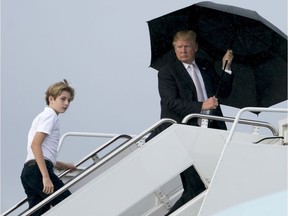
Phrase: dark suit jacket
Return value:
(178, 92)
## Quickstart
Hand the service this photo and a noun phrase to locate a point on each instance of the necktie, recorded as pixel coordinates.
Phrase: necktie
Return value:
(192, 72)
(200, 94)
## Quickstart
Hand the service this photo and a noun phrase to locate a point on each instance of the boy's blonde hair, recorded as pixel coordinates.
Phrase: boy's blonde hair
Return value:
(56, 89)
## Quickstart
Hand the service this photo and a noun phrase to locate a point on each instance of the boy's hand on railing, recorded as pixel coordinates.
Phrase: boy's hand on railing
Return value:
(65, 166)
(71, 167)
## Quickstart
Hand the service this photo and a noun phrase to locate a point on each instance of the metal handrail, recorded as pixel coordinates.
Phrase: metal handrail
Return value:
(105, 159)
(87, 157)
(233, 128)
(230, 119)
(83, 134)
(251, 109)
(91, 154)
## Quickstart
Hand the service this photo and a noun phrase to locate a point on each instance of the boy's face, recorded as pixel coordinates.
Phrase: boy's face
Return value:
(61, 103)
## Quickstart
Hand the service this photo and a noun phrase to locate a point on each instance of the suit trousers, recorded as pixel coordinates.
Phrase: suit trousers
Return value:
(192, 185)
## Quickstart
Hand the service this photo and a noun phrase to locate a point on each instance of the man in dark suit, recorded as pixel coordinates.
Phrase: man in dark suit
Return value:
(182, 94)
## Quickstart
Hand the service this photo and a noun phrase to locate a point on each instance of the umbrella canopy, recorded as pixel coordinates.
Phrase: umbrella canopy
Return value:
(259, 48)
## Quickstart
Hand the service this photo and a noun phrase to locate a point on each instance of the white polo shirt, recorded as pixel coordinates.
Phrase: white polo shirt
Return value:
(48, 123)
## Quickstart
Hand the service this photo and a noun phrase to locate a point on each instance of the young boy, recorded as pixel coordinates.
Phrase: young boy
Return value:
(38, 177)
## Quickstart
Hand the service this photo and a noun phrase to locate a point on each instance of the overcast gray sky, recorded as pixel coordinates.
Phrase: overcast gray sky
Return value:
(103, 49)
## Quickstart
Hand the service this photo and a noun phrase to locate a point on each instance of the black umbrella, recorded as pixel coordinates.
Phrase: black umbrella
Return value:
(260, 49)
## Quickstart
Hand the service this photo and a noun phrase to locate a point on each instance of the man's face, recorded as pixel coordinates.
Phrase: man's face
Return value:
(185, 50)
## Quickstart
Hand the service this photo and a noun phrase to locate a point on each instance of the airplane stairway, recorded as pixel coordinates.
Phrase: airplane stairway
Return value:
(143, 179)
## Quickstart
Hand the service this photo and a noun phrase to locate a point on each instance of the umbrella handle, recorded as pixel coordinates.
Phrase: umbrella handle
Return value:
(223, 70)
(217, 91)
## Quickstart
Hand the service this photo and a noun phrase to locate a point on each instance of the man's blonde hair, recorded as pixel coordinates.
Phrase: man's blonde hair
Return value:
(56, 89)
(186, 35)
